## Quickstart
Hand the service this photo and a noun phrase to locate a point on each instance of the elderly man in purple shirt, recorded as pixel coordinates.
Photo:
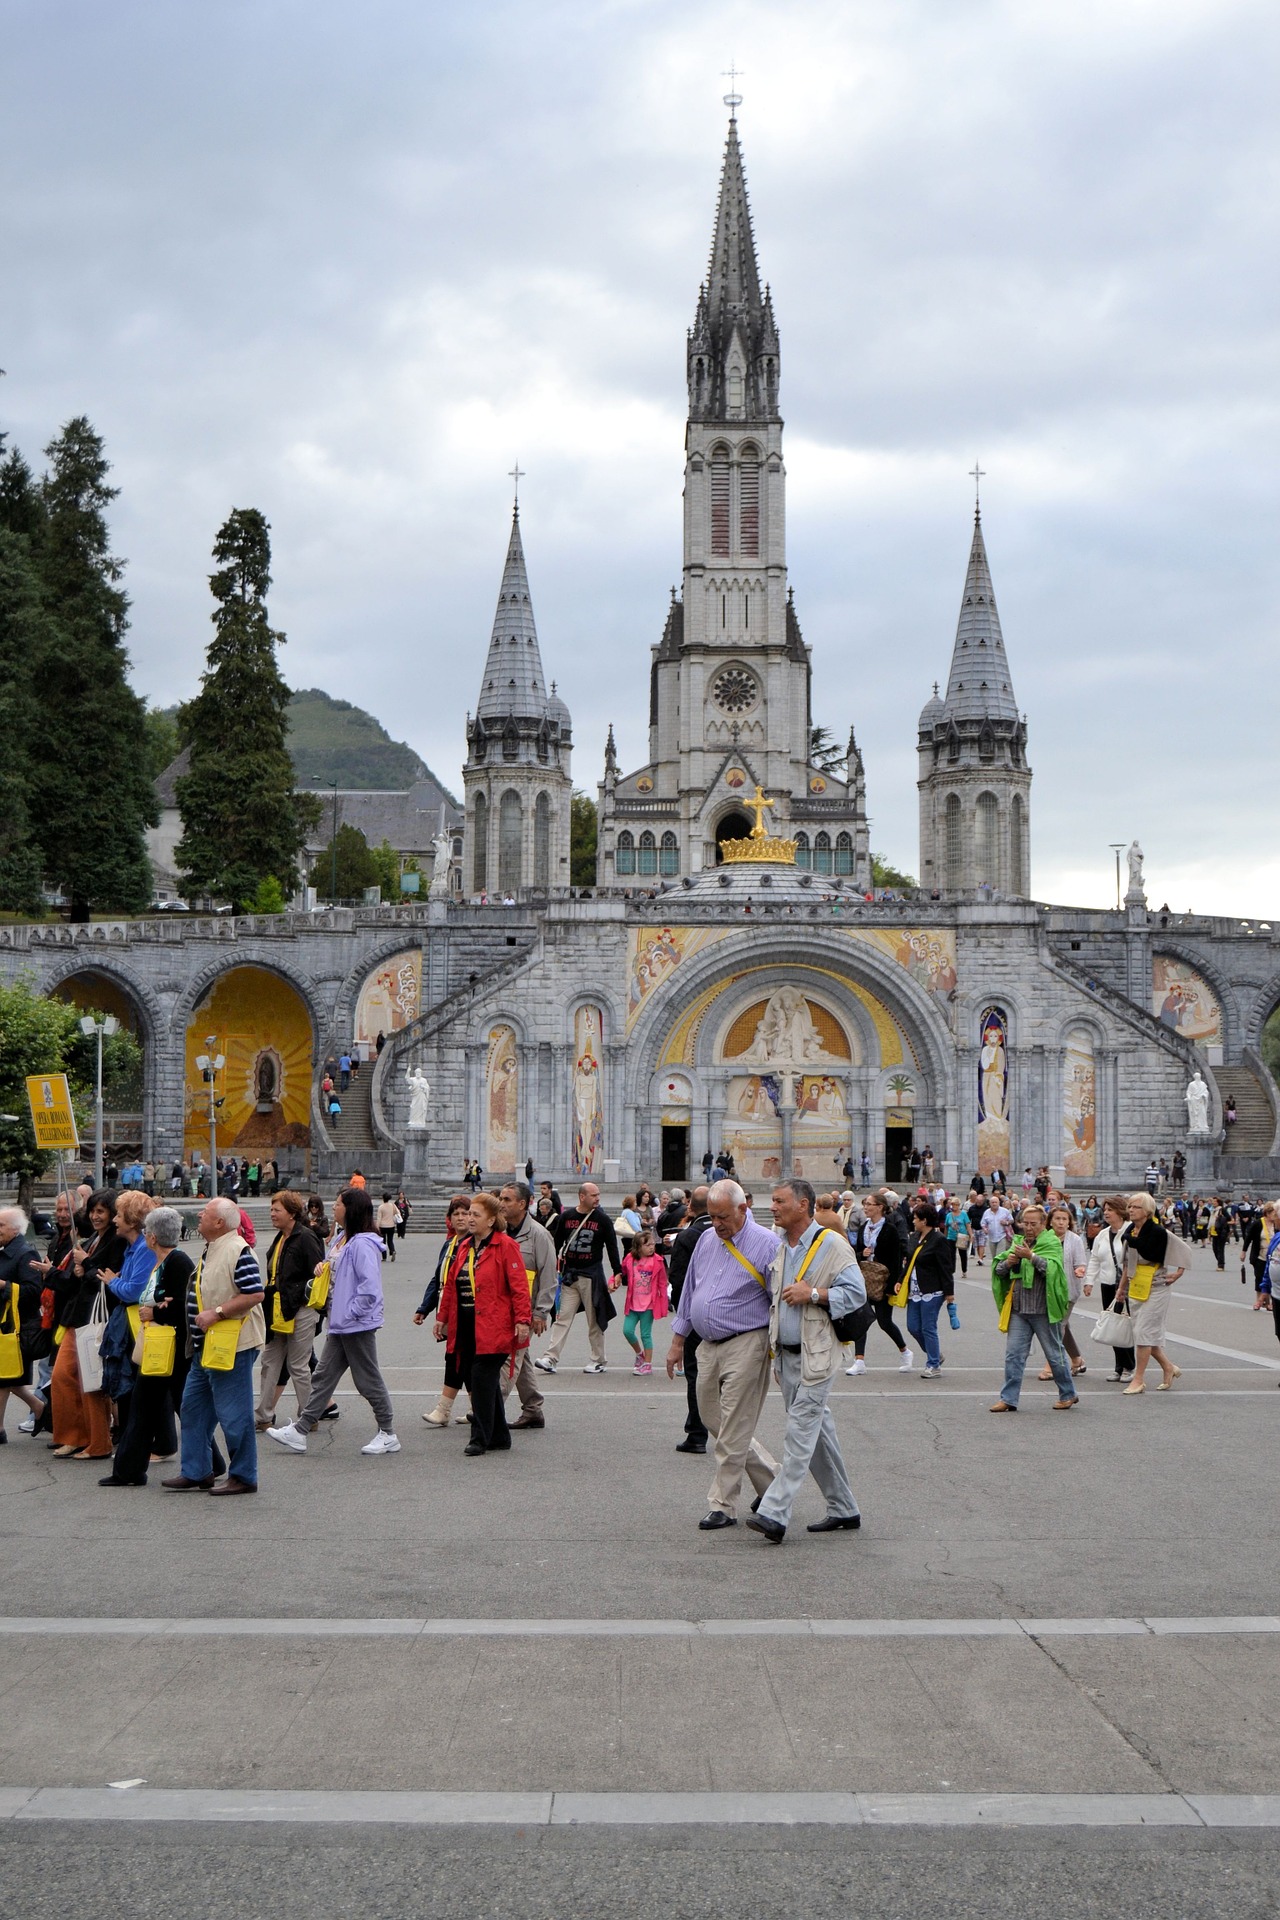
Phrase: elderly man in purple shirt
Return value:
(725, 1301)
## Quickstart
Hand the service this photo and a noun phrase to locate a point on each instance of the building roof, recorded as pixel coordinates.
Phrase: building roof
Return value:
(408, 821)
(513, 686)
(166, 784)
(980, 686)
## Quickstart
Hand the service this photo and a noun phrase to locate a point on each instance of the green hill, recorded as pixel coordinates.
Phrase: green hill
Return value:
(332, 740)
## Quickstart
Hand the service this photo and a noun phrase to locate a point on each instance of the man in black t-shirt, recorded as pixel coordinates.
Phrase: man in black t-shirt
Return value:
(584, 1237)
(695, 1432)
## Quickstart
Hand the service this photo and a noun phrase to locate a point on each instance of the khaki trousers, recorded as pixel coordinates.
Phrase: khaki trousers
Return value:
(733, 1379)
(575, 1294)
(525, 1384)
(291, 1352)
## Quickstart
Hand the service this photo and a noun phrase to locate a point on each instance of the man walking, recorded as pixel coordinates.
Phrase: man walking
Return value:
(226, 1286)
(585, 1237)
(725, 1301)
(537, 1250)
(698, 1222)
(814, 1279)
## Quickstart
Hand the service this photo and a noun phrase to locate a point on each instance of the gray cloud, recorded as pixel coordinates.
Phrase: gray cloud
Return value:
(345, 267)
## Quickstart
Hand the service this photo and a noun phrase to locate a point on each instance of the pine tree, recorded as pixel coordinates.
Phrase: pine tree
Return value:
(242, 818)
(95, 792)
(23, 634)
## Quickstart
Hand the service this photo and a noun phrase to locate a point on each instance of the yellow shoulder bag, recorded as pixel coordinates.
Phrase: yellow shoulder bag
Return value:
(159, 1344)
(221, 1340)
(902, 1292)
(318, 1291)
(11, 1363)
(278, 1322)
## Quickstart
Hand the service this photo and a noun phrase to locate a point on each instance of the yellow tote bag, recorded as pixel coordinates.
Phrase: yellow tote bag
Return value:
(278, 1322)
(318, 1291)
(1140, 1285)
(159, 1345)
(902, 1292)
(1006, 1311)
(11, 1366)
(218, 1350)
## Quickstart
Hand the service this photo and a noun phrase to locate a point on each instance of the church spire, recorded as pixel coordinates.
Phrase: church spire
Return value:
(733, 343)
(513, 686)
(979, 686)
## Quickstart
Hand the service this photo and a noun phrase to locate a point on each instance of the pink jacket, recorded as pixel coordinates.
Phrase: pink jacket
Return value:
(651, 1273)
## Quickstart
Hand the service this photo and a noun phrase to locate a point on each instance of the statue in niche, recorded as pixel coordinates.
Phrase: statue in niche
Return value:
(786, 1032)
(419, 1095)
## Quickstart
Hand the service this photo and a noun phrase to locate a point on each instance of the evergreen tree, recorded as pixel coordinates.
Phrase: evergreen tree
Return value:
(344, 870)
(96, 795)
(23, 635)
(583, 826)
(242, 818)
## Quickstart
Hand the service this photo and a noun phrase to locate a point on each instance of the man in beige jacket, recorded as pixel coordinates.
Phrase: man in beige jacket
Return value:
(225, 1286)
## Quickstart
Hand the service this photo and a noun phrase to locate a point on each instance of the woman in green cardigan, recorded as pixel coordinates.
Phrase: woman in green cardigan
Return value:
(1032, 1280)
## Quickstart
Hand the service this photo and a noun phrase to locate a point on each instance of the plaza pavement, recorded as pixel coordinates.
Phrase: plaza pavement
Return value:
(1057, 1618)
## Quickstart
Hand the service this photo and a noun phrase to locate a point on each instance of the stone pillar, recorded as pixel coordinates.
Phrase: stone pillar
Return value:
(787, 1116)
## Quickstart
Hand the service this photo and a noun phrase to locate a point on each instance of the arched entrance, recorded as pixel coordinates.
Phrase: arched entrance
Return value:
(126, 1130)
(734, 826)
(261, 1026)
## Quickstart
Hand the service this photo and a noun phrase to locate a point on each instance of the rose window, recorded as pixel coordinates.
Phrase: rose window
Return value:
(735, 690)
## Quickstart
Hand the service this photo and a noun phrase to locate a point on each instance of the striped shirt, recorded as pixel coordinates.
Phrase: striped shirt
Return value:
(247, 1279)
(719, 1297)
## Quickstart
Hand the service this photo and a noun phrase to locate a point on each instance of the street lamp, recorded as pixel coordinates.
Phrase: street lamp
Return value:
(1117, 847)
(108, 1024)
(211, 1065)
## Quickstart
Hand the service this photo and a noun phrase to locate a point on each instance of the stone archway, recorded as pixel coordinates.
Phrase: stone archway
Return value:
(127, 1081)
(262, 1026)
(734, 826)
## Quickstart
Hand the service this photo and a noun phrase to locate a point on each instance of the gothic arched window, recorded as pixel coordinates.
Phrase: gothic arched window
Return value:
(1017, 846)
(480, 845)
(669, 856)
(510, 842)
(647, 855)
(987, 839)
(720, 501)
(822, 853)
(542, 841)
(749, 503)
(510, 744)
(625, 856)
(844, 853)
(954, 853)
(804, 857)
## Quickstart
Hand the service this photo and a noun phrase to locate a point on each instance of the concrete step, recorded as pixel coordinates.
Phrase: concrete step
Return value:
(1252, 1133)
(352, 1130)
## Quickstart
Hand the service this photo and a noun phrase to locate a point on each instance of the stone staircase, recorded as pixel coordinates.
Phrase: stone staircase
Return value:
(1251, 1136)
(352, 1130)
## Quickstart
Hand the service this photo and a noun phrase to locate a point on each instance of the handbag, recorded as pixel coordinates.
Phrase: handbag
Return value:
(220, 1344)
(11, 1362)
(875, 1278)
(89, 1345)
(278, 1322)
(159, 1345)
(1113, 1326)
(318, 1291)
(1006, 1311)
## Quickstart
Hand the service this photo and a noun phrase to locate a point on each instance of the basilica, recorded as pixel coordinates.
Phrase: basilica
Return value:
(733, 979)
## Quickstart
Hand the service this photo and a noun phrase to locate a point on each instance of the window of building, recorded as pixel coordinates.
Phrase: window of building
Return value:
(542, 841)
(987, 839)
(986, 746)
(1017, 846)
(480, 845)
(543, 749)
(669, 857)
(510, 744)
(624, 860)
(510, 842)
(844, 853)
(804, 855)
(720, 501)
(822, 853)
(647, 855)
(749, 503)
(954, 864)
(735, 389)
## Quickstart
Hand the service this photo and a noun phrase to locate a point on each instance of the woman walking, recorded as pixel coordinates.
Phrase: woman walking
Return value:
(1075, 1265)
(1149, 1274)
(82, 1421)
(355, 1314)
(457, 1232)
(1030, 1289)
(930, 1278)
(1106, 1269)
(879, 1254)
(149, 1432)
(483, 1318)
(292, 1259)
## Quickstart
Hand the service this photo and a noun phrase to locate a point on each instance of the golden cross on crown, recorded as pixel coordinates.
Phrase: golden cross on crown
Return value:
(758, 807)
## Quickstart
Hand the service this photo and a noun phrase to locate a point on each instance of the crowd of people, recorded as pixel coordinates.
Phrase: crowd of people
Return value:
(114, 1338)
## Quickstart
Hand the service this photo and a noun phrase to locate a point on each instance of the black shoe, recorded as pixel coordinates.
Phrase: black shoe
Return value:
(772, 1531)
(832, 1525)
(111, 1481)
(472, 1449)
(529, 1420)
(332, 1413)
(715, 1520)
(755, 1504)
(691, 1446)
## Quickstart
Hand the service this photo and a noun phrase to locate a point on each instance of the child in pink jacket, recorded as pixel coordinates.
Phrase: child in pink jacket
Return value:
(645, 1273)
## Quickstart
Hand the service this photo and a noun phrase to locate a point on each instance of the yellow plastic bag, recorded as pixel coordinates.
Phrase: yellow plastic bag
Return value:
(278, 1322)
(11, 1363)
(159, 1344)
(318, 1291)
(218, 1353)
(1006, 1311)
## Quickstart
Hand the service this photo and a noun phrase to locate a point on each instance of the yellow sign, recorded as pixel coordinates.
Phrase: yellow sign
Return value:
(51, 1115)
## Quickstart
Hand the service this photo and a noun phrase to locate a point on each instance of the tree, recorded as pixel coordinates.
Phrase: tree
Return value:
(96, 794)
(883, 875)
(356, 867)
(163, 740)
(583, 828)
(242, 818)
(825, 753)
(269, 897)
(387, 865)
(35, 1037)
(23, 636)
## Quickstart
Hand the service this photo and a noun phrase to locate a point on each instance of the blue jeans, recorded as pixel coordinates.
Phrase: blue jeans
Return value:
(922, 1325)
(1018, 1348)
(213, 1399)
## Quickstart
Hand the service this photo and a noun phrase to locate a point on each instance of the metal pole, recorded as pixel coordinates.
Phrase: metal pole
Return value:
(333, 852)
(98, 1028)
(1117, 847)
(212, 1044)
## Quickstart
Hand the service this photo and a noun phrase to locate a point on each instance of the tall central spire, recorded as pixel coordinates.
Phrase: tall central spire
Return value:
(513, 686)
(979, 686)
(733, 343)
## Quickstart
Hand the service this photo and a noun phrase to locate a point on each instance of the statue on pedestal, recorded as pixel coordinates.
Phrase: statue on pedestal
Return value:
(443, 845)
(1197, 1099)
(1136, 889)
(419, 1094)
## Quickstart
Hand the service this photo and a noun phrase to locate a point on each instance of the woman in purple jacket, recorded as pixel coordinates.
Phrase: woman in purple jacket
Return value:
(355, 1314)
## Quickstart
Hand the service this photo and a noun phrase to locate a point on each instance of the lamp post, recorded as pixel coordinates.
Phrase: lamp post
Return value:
(88, 1025)
(333, 852)
(1117, 847)
(211, 1065)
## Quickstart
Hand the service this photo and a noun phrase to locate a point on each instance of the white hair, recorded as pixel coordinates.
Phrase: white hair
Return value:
(17, 1219)
(227, 1211)
(164, 1226)
(727, 1190)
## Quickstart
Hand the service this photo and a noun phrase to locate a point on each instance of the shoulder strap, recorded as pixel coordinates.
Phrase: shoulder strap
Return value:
(814, 1244)
(742, 1261)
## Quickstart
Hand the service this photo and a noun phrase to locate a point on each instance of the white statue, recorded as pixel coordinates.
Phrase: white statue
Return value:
(1135, 868)
(786, 1032)
(443, 844)
(419, 1094)
(1197, 1099)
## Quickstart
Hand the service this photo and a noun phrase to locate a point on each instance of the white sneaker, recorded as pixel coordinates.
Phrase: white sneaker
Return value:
(544, 1364)
(597, 1366)
(28, 1425)
(382, 1443)
(930, 1373)
(907, 1362)
(859, 1366)
(289, 1437)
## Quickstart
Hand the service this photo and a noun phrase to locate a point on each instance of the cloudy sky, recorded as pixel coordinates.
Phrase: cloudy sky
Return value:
(345, 264)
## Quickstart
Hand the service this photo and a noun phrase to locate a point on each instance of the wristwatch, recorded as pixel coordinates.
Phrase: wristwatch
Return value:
(813, 1297)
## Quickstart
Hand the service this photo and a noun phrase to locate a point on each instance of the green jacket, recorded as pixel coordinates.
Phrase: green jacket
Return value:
(1056, 1293)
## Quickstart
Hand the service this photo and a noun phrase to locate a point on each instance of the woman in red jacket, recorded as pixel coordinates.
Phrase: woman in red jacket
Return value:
(484, 1316)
